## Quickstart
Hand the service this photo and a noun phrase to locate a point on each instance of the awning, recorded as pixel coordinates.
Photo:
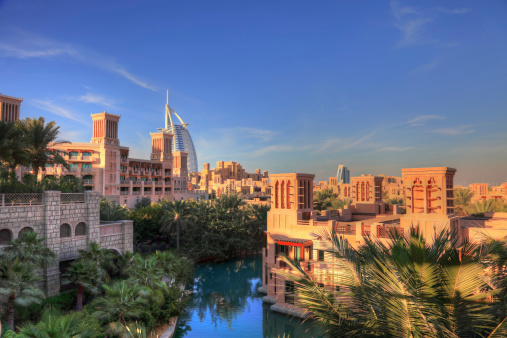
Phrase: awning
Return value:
(284, 240)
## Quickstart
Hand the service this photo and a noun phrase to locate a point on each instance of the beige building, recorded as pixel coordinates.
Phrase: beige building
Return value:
(231, 177)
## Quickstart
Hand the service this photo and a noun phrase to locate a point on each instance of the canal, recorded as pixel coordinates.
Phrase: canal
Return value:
(226, 304)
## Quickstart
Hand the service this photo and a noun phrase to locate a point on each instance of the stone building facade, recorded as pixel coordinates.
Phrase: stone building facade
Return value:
(69, 222)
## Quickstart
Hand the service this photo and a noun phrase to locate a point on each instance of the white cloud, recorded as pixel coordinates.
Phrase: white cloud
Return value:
(422, 119)
(57, 110)
(97, 99)
(26, 46)
(409, 22)
(454, 131)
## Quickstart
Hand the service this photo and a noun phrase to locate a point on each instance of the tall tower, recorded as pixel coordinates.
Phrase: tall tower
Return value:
(161, 145)
(343, 175)
(105, 128)
(9, 108)
(182, 139)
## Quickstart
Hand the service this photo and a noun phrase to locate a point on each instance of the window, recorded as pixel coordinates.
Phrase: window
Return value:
(337, 287)
(321, 255)
(65, 230)
(73, 165)
(289, 292)
(321, 285)
(23, 231)
(87, 153)
(73, 154)
(86, 165)
(81, 229)
(5, 236)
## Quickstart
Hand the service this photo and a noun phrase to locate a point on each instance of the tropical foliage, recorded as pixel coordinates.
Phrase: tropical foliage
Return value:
(326, 199)
(408, 288)
(112, 211)
(463, 201)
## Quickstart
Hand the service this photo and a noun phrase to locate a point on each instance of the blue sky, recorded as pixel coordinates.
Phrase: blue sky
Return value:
(279, 85)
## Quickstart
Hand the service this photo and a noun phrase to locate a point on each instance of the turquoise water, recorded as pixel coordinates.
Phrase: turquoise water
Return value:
(226, 304)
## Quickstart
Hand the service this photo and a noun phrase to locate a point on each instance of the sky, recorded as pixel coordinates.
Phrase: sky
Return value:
(284, 86)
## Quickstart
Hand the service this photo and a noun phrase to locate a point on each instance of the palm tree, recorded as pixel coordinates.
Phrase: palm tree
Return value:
(322, 199)
(112, 211)
(40, 140)
(12, 147)
(102, 258)
(260, 212)
(29, 248)
(17, 282)
(85, 275)
(462, 199)
(54, 323)
(339, 203)
(408, 288)
(122, 303)
(176, 217)
(480, 207)
(146, 272)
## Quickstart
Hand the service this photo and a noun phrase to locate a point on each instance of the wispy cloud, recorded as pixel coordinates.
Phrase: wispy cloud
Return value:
(394, 148)
(456, 11)
(247, 132)
(409, 22)
(57, 110)
(97, 99)
(454, 131)
(426, 67)
(27, 46)
(422, 119)
(276, 148)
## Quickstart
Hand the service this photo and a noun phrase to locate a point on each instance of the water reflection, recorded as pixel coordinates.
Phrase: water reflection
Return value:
(226, 304)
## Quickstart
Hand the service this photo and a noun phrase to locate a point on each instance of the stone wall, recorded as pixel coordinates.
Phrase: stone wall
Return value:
(52, 219)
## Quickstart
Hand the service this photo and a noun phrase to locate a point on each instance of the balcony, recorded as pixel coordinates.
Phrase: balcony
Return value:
(136, 192)
(124, 192)
(147, 192)
(159, 182)
(123, 159)
(86, 170)
(124, 171)
(125, 182)
(158, 192)
(156, 173)
(88, 181)
(86, 158)
(136, 182)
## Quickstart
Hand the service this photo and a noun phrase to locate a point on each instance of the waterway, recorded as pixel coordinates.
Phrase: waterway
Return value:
(226, 304)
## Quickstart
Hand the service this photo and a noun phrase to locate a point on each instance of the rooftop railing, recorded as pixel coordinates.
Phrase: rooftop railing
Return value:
(69, 198)
(20, 199)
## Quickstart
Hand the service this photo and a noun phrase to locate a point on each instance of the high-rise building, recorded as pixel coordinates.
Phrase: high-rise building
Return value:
(343, 175)
(182, 139)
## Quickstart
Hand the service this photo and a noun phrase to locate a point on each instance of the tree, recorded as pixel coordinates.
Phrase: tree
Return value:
(176, 217)
(408, 288)
(102, 258)
(478, 208)
(462, 199)
(121, 304)
(339, 203)
(29, 248)
(17, 283)
(12, 147)
(112, 211)
(54, 323)
(41, 139)
(322, 199)
(84, 274)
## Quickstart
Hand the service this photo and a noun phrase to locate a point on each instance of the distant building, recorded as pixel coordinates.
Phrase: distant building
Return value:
(182, 139)
(343, 175)
(9, 108)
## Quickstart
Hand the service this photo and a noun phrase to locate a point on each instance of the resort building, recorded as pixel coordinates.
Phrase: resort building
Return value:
(295, 229)
(9, 108)
(105, 166)
(231, 177)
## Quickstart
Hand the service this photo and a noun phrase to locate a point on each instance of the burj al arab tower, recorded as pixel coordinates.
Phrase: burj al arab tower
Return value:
(182, 140)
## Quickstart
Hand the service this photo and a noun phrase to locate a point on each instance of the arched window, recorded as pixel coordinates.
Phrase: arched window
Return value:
(282, 199)
(24, 231)
(5, 236)
(65, 230)
(288, 194)
(276, 194)
(81, 229)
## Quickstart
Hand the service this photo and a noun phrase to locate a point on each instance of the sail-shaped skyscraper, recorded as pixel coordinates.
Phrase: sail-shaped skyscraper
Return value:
(182, 139)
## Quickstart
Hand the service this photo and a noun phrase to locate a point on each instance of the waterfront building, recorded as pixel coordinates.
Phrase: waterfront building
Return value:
(231, 177)
(70, 222)
(182, 139)
(104, 165)
(295, 229)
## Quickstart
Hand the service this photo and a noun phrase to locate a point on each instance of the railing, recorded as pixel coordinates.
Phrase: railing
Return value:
(302, 222)
(365, 230)
(136, 192)
(88, 181)
(385, 232)
(50, 170)
(72, 198)
(86, 170)
(345, 230)
(20, 199)
(124, 192)
(147, 192)
(158, 192)
(124, 171)
(157, 173)
(86, 158)
(159, 182)
(73, 170)
(123, 159)
(124, 182)
(136, 182)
